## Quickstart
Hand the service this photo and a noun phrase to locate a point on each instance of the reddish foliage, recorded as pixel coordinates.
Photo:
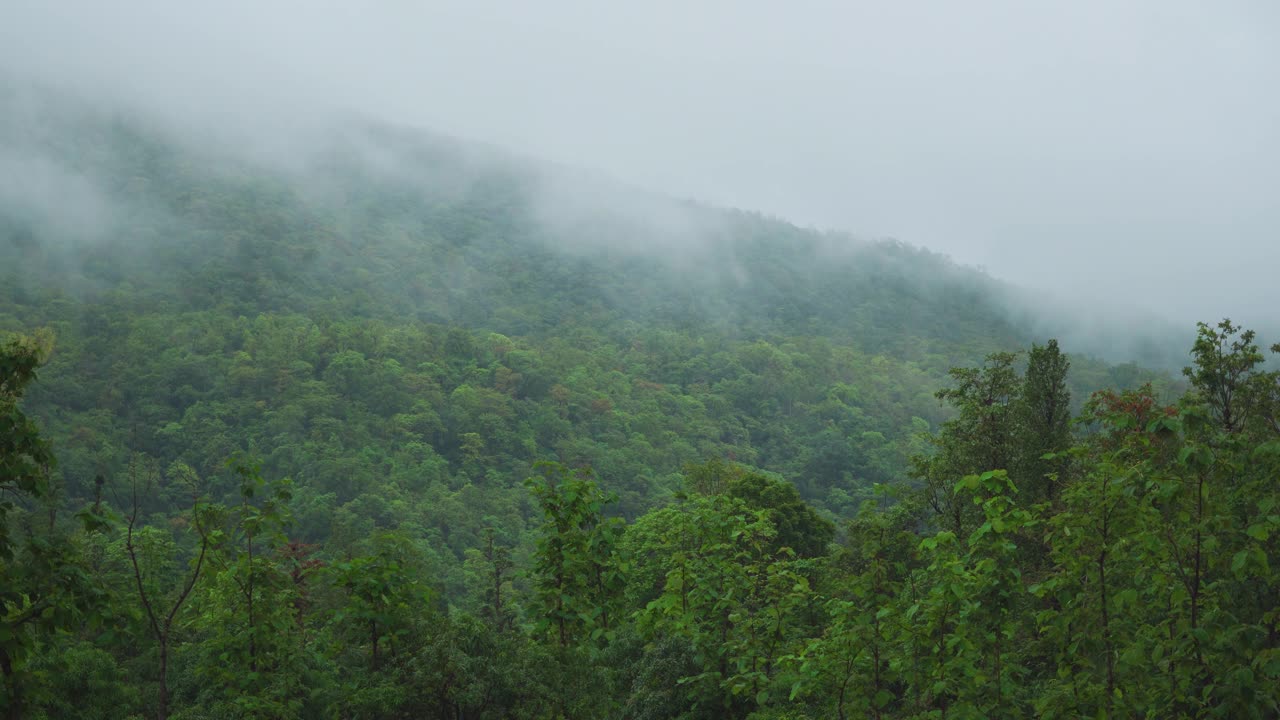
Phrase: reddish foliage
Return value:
(301, 565)
(1140, 405)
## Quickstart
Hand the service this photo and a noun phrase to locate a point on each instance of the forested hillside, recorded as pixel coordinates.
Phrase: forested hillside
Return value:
(405, 428)
(405, 304)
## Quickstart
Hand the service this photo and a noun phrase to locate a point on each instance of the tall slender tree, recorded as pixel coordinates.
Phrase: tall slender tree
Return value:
(980, 438)
(1043, 417)
(161, 608)
(44, 585)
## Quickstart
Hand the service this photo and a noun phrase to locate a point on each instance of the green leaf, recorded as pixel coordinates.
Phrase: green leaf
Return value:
(1239, 560)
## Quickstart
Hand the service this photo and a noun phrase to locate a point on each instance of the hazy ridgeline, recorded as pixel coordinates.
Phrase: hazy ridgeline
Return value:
(306, 412)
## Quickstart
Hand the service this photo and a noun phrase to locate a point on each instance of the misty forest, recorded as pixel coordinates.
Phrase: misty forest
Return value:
(388, 424)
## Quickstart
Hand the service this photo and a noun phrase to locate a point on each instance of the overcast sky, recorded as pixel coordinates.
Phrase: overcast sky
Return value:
(1127, 150)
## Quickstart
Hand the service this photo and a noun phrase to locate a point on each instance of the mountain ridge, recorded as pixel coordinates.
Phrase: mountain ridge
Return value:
(770, 334)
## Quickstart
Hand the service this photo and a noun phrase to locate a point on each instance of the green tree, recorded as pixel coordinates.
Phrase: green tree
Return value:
(733, 597)
(1225, 357)
(1043, 423)
(972, 617)
(857, 665)
(150, 548)
(385, 592)
(980, 438)
(578, 575)
(251, 650)
(25, 456)
(45, 586)
(797, 525)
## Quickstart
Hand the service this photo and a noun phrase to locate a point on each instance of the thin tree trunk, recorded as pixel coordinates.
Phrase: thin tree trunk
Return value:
(844, 685)
(14, 709)
(163, 711)
(253, 646)
(1104, 600)
(1195, 583)
(1106, 629)
(160, 629)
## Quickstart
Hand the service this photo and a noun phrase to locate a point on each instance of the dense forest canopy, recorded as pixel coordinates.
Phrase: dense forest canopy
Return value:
(406, 428)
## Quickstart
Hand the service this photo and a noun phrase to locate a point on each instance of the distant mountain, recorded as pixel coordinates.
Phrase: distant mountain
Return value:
(377, 305)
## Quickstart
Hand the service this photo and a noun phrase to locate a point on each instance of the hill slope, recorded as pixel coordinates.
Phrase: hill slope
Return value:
(392, 317)
(408, 327)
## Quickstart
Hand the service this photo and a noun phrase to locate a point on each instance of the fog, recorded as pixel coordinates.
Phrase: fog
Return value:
(1105, 154)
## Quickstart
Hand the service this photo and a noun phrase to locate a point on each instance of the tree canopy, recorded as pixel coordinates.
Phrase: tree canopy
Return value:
(369, 446)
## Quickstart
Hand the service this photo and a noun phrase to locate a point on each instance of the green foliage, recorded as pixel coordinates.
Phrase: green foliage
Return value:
(248, 662)
(1043, 423)
(45, 586)
(408, 354)
(851, 666)
(384, 593)
(25, 457)
(731, 595)
(1225, 357)
(982, 436)
(578, 574)
(798, 527)
(1140, 583)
